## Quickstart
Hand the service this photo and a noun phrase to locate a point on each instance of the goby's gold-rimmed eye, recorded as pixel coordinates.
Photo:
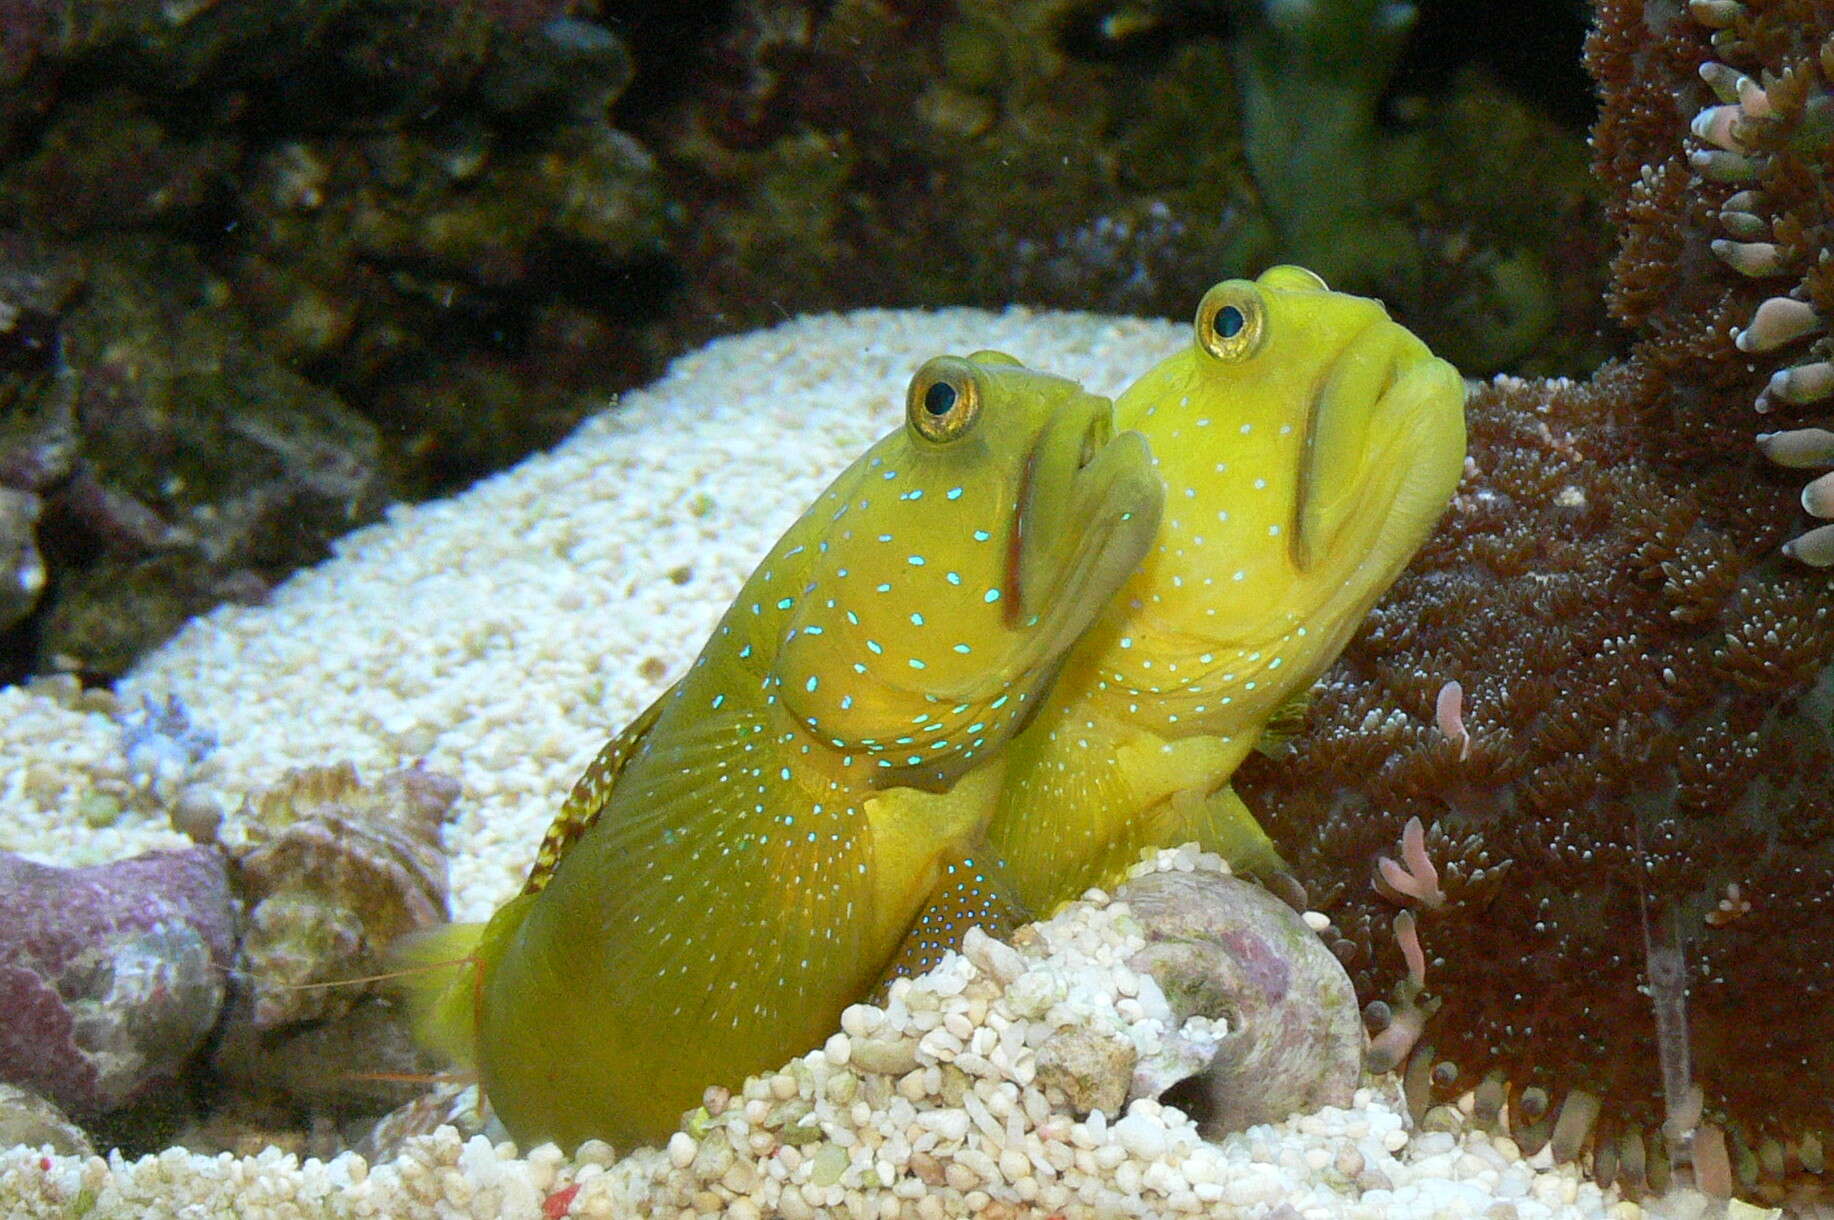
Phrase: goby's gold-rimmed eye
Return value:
(1232, 320)
(944, 399)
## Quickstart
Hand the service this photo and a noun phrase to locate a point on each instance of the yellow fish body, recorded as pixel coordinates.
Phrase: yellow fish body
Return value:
(1307, 445)
(747, 857)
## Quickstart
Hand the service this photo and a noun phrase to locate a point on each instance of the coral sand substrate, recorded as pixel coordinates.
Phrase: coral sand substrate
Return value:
(501, 636)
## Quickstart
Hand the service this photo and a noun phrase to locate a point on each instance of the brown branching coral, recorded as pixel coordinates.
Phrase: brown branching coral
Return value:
(1634, 958)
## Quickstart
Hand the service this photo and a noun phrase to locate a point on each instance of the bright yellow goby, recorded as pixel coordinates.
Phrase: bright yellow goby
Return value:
(1307, 444)
(748, 856)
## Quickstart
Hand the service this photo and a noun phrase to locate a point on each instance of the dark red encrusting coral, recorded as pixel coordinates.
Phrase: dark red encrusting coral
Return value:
(1646, 683)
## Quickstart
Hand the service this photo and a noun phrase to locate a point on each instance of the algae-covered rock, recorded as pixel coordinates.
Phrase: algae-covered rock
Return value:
(22, 570)
(110, 976)
(206, 463)
(1091, 1067)
(1125, 156)
(231, 231)
(331, 871)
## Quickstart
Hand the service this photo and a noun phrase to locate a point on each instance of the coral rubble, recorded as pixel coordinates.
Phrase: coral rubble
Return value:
(332, 871)
(1627, 803)
(1228, 950)
(26, 1118)
(328, 871)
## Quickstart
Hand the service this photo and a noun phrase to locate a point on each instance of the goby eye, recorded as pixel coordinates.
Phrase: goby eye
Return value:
(1232, 320)
(944, 399)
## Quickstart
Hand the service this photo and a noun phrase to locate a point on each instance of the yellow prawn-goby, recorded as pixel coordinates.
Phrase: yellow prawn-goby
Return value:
(752, 853)
(1307, 444)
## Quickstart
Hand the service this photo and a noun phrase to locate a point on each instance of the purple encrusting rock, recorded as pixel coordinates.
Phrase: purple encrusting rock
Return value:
(110, 976)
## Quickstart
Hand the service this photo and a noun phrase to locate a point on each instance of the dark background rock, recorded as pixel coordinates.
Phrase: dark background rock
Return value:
(1123, 155)
(265, 266)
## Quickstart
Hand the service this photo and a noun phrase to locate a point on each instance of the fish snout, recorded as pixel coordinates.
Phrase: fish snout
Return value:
(1385, 394)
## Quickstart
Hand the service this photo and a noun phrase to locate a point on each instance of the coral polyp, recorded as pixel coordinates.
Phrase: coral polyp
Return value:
(1771, 135)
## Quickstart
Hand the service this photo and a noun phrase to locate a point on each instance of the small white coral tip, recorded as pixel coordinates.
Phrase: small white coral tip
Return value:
(1801, 384)
(1818, 497)
(1815, 548)
(1800, 447)
(1715, 14)
(1714, 125)
(1777, 321)
(1753, 258)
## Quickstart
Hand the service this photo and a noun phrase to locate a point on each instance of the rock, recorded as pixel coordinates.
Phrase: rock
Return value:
(26, 1118)
(1225, 949)
(196, 815)
(1091, 1067)
(261, 223)
(1140, 185)
(107, 163)
(364, 1062)
(886, 1056)
(448, 1105)
(243, 1127)
(331, 871)
(110, 976)
(22, 570)
(206, 461)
